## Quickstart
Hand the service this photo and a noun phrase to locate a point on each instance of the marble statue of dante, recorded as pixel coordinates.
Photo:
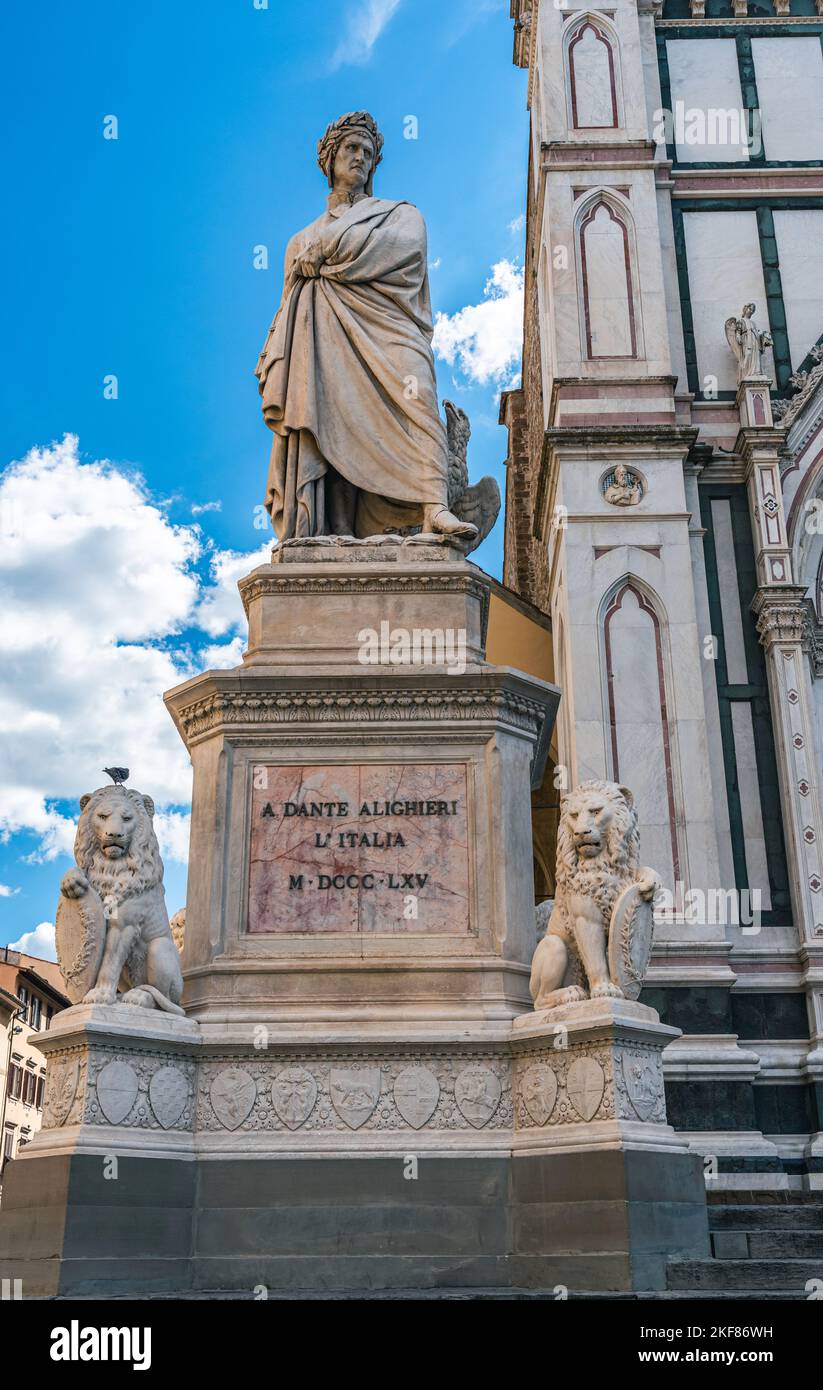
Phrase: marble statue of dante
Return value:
(347, 371)
(747, 343)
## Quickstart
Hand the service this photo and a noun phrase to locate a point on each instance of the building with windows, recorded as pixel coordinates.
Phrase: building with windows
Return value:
(665, 508)
(31, 993)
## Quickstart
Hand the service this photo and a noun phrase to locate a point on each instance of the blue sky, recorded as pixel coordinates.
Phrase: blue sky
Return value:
(134, 258)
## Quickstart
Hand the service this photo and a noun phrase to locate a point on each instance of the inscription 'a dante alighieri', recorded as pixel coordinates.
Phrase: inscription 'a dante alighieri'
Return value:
(378, 848)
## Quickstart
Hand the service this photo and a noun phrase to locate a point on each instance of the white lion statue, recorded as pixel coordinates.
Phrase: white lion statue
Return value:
(112, 926)
(600, 923)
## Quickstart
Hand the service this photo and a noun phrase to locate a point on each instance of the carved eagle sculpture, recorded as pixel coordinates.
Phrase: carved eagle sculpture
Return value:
(479, 504)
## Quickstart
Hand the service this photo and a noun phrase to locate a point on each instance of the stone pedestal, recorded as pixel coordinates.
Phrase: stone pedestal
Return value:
(318, 918)
(529, 1156)
(349, 1103)
(754, 402)
(102, 1200)
(605, 1191)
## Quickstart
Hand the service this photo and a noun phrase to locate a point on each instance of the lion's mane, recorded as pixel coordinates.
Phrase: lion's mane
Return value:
(605, 876)
(140, 868)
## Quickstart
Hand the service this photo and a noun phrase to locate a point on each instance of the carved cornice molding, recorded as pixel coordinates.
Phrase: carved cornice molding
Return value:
(780, 614)
(524, 14)
(279, 583)
(655, 438)
(739, 21)
(342, 706)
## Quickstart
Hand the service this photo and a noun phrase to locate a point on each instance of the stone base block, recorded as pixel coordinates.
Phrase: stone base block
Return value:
(177, 1158)
(601, 1220)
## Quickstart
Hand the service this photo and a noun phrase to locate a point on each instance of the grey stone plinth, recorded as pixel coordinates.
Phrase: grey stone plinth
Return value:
(407, 1158)
(600, 1222)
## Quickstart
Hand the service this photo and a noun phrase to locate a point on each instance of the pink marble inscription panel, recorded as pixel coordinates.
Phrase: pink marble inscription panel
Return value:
(364, 848)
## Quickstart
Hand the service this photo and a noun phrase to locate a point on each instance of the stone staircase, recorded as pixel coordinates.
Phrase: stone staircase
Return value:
(764, 1245)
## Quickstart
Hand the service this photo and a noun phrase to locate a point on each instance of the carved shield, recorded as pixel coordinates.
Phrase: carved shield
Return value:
(477, 1091)
(117, 1089)
(416, 1093)
(355, 1092)
(643, 1084)
(168, 1093)
(80, 933)
(585, 1083)
(630, 941)
(539, 1091)
(293, 1094)
(63, 1076)
(233, 1093)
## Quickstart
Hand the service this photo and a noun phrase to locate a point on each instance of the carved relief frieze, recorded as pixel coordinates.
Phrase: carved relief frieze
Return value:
(588, 1083)
(133, 1088)
(351, 1090)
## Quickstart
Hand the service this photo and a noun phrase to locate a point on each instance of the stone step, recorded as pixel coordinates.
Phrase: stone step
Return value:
(786, 1245)
(766, 1218)
(759, 1197)
(767, 1245)
(787, 1276)
(421, 1295)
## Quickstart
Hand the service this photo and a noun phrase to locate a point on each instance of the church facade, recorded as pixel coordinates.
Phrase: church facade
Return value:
(665, 508)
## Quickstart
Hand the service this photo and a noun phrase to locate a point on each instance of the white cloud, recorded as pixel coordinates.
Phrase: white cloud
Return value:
(221, 609)
(172, 830)
(485, 340)
(39, 942)
(435, 265)
(7, 892)
(223, 655)
(197, 508)
(365, 22)
(95, 584)
(516, 226)
(100, 601)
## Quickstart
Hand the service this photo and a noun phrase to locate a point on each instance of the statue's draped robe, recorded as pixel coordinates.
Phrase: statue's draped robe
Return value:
(347, 375)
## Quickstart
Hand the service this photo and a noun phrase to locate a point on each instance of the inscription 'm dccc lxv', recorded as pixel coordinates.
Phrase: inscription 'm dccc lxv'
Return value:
(359, 847)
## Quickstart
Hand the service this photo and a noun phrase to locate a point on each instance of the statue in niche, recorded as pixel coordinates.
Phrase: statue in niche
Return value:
(624, 488)
(347, 370)
(748, 344)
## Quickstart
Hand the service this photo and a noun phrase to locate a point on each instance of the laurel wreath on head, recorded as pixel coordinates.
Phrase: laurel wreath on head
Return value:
(339, 129)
